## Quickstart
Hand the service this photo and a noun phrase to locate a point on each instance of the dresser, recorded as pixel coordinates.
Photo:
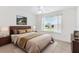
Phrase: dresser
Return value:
(75, 42)
(75, 46)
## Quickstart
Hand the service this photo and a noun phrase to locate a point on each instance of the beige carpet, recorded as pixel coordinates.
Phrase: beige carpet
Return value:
(57, 47)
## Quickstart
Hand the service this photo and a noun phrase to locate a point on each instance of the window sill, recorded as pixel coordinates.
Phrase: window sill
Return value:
(52, 32)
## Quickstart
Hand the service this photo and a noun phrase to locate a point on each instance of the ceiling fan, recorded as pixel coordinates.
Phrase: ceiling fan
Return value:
(40, 10)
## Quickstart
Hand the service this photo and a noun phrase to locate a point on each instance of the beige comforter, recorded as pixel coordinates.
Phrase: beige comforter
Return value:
(32, 42)
(17, 37)
(22, 41)
(37, 44)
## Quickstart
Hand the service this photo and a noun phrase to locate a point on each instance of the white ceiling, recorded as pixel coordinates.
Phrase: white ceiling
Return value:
(45, 9)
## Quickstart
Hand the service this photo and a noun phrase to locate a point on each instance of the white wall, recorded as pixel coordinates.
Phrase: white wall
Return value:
(8, 16)
(69, 23)
(26, 13)
(68, 26)
(77, 22)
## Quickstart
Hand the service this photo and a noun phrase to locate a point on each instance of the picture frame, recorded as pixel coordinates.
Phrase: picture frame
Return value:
(21, 20)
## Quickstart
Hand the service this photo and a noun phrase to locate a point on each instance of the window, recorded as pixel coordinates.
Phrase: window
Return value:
(52, 23)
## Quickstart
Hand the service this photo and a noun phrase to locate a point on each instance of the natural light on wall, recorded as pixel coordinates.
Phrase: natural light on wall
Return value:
(52, 23)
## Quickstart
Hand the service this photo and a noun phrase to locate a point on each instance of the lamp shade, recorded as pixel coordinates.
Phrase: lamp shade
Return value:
(34, 28)
(4, 30)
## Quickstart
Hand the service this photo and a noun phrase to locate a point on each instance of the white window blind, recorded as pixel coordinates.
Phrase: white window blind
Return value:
(52, 23)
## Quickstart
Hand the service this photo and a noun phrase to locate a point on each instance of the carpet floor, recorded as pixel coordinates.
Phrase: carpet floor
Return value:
(57, 47)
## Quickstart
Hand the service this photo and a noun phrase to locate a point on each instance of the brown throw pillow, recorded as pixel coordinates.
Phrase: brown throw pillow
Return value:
(15, 31)
(29, 30)
(21, 31)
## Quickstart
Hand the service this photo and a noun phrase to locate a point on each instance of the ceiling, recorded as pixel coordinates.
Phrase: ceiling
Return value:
(45, 9)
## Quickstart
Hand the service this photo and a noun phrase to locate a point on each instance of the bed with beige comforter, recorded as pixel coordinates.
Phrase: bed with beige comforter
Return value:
(32, 42)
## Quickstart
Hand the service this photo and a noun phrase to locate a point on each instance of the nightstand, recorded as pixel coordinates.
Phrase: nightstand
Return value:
(4, 40)
(75, 42)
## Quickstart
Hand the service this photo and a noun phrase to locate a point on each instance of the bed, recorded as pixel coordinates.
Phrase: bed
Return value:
(29, 41)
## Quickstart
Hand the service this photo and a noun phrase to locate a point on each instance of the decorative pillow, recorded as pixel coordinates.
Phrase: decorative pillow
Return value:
(21, 31)
(29, 30)
(15, 31)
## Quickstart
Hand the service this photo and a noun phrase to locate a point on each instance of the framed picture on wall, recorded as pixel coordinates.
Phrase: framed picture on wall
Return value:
(21, 20)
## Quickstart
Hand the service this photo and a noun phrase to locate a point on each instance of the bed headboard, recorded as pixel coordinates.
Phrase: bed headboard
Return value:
(18, 27)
